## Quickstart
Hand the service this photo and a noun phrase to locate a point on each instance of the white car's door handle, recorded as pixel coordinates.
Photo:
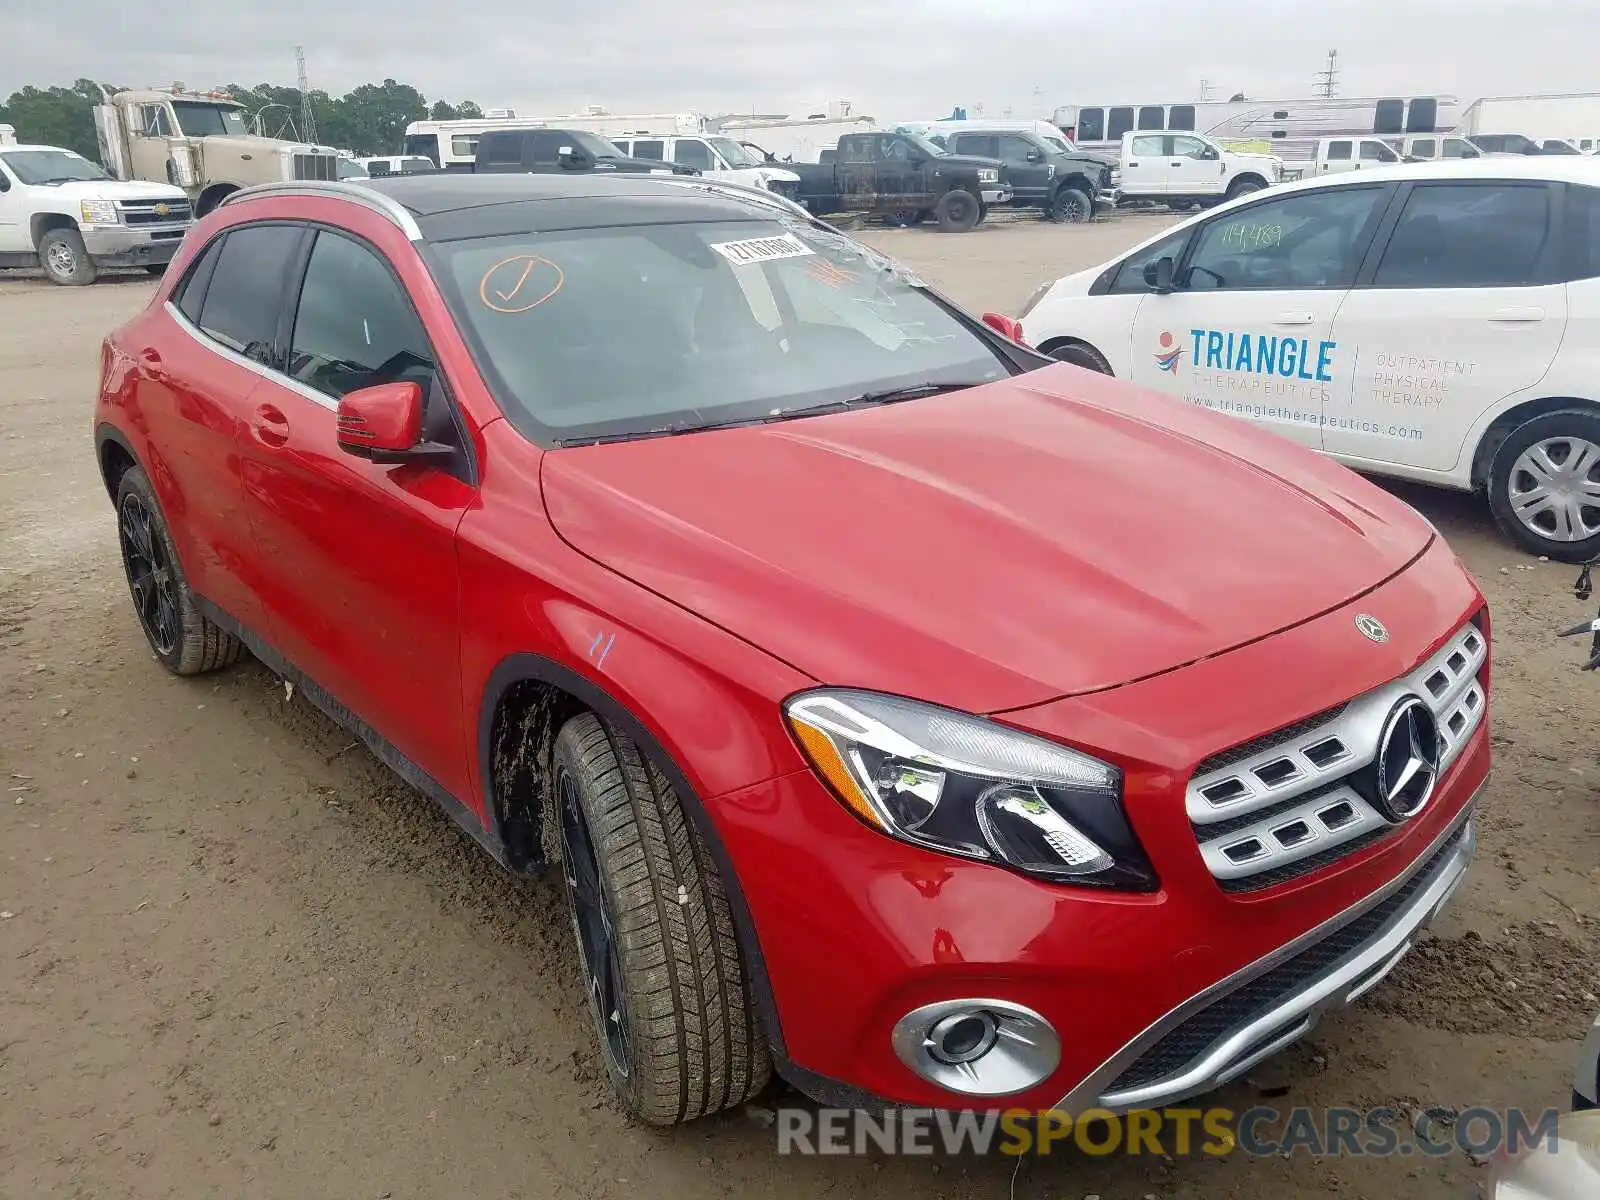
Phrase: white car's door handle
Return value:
(1293, 319)
(1517, 316)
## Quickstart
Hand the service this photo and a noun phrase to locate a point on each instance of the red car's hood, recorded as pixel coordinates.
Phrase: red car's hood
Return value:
(1054, 533)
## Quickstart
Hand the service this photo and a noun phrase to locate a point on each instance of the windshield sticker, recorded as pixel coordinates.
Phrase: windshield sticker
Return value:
(520, 283)
(757, 250)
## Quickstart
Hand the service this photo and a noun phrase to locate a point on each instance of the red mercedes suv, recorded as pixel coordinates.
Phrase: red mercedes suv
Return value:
(933, 722)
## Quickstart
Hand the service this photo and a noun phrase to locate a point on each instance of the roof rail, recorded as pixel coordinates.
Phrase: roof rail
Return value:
(350, 189)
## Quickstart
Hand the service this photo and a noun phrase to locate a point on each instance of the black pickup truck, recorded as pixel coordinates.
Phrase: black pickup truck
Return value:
(904, 175)
(552, 151)
(1065, 186)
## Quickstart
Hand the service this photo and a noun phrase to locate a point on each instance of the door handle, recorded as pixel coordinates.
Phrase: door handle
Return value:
(1178, 163)
(1517, 316)
(271, 426)
(1293, 319)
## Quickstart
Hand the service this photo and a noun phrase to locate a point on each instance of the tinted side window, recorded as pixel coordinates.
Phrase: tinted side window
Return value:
(1152, 116)
(191, 292)
(1338, 151)
(354, 326)
(1423, 115)
(1014, 149)
(1582, 258)
(503, 149)
(650, 149)
(1424, 148)
(1389, 116)
(1467, 235)
(1181, 117)
(1303, 241)
(692, 154)
(1091, 125)
(1120, 122)
(980, 145)
(244, 299)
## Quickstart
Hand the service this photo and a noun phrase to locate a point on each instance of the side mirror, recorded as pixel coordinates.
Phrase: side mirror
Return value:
(1210, 154)
(383, 424)
(1158, 275)
(1035, 155)
(1008, 327)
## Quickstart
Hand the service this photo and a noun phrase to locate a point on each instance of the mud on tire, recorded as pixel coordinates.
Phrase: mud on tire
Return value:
(672, 1005)
(184, 641)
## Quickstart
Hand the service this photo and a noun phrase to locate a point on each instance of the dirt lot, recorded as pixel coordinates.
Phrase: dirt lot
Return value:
(239, 959)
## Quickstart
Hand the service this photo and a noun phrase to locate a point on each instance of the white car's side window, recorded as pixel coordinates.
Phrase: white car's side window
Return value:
(1308, 240)
(1468, 234)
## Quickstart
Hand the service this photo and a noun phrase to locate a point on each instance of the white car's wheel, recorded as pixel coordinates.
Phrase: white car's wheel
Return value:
(1544, 485)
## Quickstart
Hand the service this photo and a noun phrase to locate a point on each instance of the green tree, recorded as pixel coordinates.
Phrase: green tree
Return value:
(55, 116)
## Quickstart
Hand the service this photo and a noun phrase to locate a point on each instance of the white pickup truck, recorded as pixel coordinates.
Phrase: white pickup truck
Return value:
(61, 212)
(1187, 170)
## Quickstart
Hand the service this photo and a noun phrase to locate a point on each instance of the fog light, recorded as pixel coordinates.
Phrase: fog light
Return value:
(978, 1047)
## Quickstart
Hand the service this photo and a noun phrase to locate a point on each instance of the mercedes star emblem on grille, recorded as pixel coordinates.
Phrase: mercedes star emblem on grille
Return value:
(1371, 628)
(1407, 765)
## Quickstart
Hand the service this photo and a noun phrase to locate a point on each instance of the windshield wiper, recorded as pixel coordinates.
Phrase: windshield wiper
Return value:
(864, 400)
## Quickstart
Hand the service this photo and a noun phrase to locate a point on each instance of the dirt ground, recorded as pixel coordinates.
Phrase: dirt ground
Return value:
(239, 959)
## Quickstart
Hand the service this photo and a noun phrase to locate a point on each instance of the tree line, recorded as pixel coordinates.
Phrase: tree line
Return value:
(370, 119)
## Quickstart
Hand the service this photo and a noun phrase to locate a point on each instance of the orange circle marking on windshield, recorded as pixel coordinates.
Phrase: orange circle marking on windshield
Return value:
(514, 273)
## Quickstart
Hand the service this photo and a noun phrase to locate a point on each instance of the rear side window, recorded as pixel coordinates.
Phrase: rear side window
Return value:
(191, 293)
(1150, 147)
(1091, 125)
(1181, 117)
(649, 149)
(1467, 235)
(1423, 115)
(245, 297)
(1120, 122)
(980, 145)
(501, 149)
(1389, 117)
(1338, 151)
(1424, 148)
(1152, 116)
(1582, 257)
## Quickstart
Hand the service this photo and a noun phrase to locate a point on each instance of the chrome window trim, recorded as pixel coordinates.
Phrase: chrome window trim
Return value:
(265, 372)
(351, 190)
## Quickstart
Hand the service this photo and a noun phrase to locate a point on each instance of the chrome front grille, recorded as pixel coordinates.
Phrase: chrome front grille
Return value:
(154, 212)
(316, 166)
(1294, 801)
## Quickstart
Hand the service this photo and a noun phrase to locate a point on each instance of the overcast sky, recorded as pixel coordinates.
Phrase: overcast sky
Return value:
(896, 59)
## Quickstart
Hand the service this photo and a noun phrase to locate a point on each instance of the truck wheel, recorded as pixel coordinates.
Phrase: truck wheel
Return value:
(1544, 485)
(156, 269)
(184, 641)
(1071, 205)
(957, 211)
(64, 259)
(1243, 187)
(667, 986)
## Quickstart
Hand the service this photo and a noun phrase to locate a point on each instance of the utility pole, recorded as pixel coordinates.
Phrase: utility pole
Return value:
(1328, 78)
(308, 123)
(1205, 90)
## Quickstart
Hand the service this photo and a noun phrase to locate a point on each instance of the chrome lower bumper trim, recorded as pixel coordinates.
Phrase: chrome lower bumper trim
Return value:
(1435, 874)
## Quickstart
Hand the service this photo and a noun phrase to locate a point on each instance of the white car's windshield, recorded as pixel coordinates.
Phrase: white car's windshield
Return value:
(598, 333)
(733, 153)
(209, 120)
(51, 166)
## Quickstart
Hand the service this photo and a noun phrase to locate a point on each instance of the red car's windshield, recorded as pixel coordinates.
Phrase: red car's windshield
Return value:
(601, 332)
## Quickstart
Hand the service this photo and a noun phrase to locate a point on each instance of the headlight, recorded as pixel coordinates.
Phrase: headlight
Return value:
(971, 787)
(985, 176)
(98, 212)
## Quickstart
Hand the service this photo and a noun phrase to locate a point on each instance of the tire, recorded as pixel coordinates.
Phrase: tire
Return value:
(958, 211)
(1080, 355)
(185, 642)
(156, 269)
(64, 259)
(1564, 448)
(1071, 205)
(983, 212)
(671, 1003)
(1183, 206)
(1244, 187)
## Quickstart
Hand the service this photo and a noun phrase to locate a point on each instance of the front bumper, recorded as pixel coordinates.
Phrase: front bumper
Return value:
(995, 195)
(118, 246)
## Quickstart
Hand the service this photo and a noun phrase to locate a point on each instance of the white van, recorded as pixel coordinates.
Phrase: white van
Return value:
(1185, 169)
(1427, 321)
(714, 155)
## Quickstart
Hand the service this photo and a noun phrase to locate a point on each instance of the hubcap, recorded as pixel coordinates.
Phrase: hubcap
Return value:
(591, 920)
(1071, 207)
(62, 260)
(1555, 489)
(150, 575)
